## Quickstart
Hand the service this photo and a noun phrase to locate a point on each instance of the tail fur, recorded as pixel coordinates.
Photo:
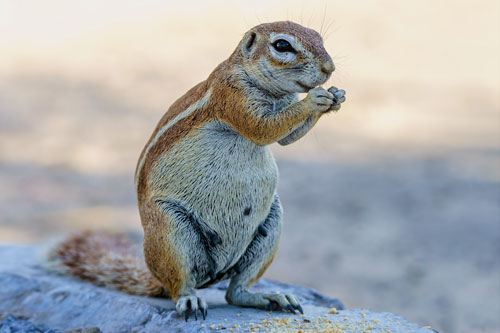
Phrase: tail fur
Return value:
(105, 259)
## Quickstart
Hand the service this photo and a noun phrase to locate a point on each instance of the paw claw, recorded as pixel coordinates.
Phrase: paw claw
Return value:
(338, 98)
(299, 307)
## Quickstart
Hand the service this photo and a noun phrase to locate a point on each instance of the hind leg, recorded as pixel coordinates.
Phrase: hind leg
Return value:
(253, 264)
(177, 248)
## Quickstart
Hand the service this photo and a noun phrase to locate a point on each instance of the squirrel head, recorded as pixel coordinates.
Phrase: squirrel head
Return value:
(284, 58)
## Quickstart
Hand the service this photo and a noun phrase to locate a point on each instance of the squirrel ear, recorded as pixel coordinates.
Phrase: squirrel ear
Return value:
(248, 43)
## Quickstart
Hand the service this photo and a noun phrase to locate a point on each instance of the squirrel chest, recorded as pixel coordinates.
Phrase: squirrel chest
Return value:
(222, 178)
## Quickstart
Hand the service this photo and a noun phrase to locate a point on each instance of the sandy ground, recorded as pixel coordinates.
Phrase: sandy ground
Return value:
(392, 204)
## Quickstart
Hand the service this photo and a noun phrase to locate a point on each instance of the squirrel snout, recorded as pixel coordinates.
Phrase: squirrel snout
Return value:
(327, 67)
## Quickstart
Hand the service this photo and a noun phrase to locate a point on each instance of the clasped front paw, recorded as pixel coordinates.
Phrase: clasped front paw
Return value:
(338, 98)
(321, 100)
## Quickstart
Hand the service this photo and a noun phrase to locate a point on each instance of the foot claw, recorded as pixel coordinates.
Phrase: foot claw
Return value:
(202, 305)
(191, 304)
(290, 308)
(270, 306)
(204, 313)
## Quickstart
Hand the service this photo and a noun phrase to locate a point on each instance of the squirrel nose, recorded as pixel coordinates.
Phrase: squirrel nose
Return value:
(327, 67)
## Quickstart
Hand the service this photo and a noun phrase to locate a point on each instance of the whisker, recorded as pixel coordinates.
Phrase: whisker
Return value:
(310, 19)
(257, 16)
(323, 21)
(329, 25)
(301, 12)
(340, 75)
(337, 56)
(247, 24)
(331, 32)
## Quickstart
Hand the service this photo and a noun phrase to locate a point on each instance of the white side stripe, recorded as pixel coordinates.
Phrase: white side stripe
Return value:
(193, 107)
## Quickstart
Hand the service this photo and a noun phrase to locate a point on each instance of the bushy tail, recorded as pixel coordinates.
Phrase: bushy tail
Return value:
(105, 259)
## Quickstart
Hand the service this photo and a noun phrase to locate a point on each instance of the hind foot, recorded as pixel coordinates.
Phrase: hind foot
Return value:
(278, 302)
(191, 304)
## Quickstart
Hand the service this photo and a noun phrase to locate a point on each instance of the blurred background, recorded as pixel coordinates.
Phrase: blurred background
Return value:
(392, 204)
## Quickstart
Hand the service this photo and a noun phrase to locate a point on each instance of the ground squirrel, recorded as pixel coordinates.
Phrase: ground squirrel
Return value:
(206, 179)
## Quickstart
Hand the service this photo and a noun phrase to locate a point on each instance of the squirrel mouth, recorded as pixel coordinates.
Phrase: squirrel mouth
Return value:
(306, 87)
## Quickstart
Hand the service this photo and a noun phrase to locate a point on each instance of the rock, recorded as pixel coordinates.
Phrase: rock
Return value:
(35, 300)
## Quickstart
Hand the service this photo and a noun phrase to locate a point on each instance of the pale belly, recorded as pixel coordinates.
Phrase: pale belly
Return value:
(228, 181)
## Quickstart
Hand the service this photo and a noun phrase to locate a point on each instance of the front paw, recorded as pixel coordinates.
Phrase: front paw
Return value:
(320, 99)
(338, 98)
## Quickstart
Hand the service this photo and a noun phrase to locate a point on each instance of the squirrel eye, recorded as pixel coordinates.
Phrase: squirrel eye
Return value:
(282, 45)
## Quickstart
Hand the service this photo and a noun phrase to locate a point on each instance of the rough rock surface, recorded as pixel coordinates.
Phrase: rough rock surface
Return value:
(34, 300)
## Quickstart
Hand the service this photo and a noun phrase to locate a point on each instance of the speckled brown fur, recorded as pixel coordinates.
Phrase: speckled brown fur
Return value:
(86, 256)
(307, 37)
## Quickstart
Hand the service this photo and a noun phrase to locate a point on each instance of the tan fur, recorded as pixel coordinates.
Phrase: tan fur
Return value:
(161, 258)
(264, 267)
